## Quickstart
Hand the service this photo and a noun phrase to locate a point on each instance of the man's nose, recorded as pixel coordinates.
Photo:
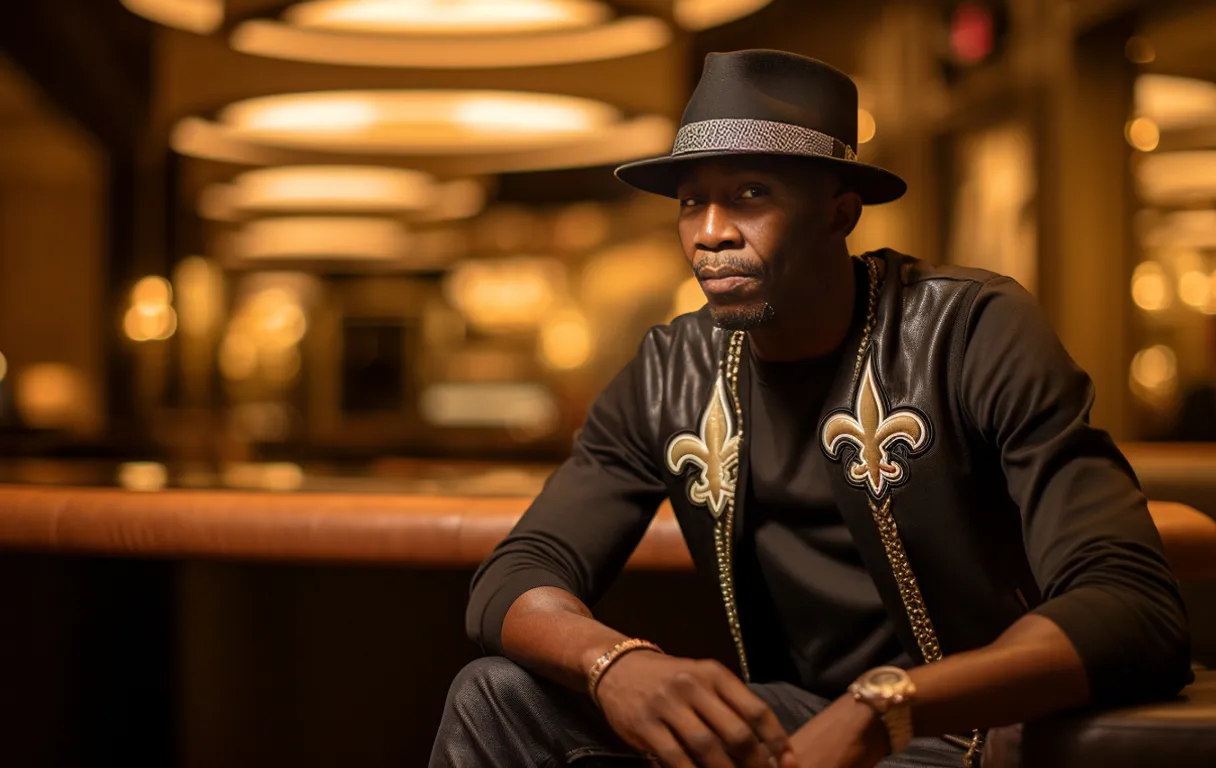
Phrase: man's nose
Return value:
(718, 231)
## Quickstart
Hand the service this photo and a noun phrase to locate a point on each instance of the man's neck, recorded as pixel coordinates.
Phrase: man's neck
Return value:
(815, 322)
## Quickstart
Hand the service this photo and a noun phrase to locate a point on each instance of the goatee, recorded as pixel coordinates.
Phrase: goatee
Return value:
(742, 318)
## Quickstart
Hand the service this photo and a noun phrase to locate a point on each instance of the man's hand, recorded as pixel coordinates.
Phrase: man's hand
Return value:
(691, 713)
(848, 734)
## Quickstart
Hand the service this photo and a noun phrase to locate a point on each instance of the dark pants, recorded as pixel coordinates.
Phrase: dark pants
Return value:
(498, 714)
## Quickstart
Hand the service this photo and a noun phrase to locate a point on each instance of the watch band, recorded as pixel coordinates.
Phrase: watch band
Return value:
(898, 720)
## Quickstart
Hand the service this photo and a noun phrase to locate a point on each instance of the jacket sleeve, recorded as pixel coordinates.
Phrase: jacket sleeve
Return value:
(1090, 540)
(593, 511)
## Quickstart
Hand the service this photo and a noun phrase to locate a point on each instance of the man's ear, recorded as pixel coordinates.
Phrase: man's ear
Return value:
(846, 212)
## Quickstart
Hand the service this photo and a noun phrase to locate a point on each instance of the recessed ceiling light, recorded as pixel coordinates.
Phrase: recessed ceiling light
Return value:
(613, 40)
(199, 16)
(447, 17)
(703, 14)
(323, 237)
(422, 122)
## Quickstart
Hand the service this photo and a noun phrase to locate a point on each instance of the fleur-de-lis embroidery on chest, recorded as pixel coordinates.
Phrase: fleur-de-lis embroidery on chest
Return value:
(871, 431)
(714, 452)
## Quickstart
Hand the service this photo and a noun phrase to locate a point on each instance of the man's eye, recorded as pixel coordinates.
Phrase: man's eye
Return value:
(749, 193)
(688, 202)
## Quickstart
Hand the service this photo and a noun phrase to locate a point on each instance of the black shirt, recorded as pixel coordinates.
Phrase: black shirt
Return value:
(810, 612)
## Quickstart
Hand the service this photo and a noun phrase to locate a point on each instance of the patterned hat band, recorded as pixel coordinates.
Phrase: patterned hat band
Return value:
(746, 135)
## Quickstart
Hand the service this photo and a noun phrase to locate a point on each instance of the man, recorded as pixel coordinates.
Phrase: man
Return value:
(884, 467)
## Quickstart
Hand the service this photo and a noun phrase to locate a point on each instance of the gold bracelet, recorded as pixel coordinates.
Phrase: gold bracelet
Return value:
(611, 657)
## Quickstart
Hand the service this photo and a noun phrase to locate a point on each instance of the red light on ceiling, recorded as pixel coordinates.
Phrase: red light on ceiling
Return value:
(971, 33)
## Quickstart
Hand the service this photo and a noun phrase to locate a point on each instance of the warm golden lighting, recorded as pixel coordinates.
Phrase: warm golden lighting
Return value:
(1139, 50)
(448, 17)
(566, 342)
(238, 359)
(495, 405)
(1143, 134)
(506, 294)
(580, 227)
(50, 395)
(609, 144)
(865, 126)
(152, 291)
(689, 298)
(615, 39)
(1194, 288)
(416, 121)
(459, 199)
(143, 476)
(199, 295)
(1178, 177)
(1175, 102)
(1155, 368)
(200, 16)
(272, 476)
(332, 188)
(149, 323)
(3, 366)
(703, 14)
(319, 237)
(150, 316)
(1150, 289)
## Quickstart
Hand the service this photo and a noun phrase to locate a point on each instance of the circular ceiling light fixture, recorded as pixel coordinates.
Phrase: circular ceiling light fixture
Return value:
(703, 14)
(322, 237)
(447, 17)
(341, 189)
(450, 34)
(416, 122)
(320, 188)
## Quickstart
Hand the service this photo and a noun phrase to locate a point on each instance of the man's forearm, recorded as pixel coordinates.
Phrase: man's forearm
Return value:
(552, 633)
(1032, 670)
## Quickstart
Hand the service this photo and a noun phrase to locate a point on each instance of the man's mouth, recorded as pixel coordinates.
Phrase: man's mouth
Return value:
(722, 284)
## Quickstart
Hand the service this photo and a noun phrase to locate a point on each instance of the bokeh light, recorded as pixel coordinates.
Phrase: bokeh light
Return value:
(1150, 288)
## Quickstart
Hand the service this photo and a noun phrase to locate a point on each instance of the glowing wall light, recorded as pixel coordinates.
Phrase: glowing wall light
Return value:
(151, 316)
(1178, 176)
(1175, 102)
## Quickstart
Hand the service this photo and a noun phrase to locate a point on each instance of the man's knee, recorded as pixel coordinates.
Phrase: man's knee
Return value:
(489, 686)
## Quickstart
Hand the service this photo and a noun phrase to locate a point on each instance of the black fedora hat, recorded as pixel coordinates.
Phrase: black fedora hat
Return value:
(768, 103)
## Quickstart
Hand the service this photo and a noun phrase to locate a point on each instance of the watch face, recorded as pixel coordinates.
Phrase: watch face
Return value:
(887, 681)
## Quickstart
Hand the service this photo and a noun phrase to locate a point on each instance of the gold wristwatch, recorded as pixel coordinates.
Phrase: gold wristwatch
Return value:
(889, 692)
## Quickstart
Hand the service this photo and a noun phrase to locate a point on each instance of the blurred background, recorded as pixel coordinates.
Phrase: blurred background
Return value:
(376, 246)
(312, 236)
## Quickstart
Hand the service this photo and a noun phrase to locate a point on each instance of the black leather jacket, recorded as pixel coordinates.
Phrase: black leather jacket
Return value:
(972, 509)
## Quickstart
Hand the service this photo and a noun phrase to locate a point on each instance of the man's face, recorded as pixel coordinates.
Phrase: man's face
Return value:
(751, 227)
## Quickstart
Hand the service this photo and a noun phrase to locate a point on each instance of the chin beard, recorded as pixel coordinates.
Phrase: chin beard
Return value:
(742, 318)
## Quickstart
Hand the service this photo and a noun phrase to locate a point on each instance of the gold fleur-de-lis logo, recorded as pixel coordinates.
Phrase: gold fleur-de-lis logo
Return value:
(872, 431)
(714, 452)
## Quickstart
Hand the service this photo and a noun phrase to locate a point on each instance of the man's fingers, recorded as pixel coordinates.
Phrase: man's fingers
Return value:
(741, 740)
(700, 742)
(667, 748)
(752, 709)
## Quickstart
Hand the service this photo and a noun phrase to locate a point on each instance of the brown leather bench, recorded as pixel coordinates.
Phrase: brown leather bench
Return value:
(432, 531)
(1180, 733)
